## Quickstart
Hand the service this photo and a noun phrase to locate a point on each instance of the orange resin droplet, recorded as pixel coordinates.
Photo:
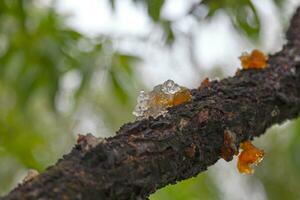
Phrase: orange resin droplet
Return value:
(181, 96)
(205, 83)
(161, 100)
(255, 60)
(249, 156)
(156, 102)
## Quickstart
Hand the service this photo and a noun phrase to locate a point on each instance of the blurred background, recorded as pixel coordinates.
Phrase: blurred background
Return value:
(70, 67)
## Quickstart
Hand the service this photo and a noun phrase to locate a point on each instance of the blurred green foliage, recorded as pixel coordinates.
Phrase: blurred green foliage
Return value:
(38, 51)
(279, 172)
(200, 187)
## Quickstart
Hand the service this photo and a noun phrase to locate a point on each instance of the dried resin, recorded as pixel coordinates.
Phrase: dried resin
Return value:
(248, 157)
(255, 60)
(229, 149)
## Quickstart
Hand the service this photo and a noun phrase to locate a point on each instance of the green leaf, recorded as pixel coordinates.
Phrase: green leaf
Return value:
(154, 8)
(246, 20)
(200, 187)
(121, 74)
(242, 13)
(118, 88)
(279, 3)
(169, 34)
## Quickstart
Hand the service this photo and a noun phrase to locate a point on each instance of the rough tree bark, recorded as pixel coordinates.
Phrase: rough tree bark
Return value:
(150, 154)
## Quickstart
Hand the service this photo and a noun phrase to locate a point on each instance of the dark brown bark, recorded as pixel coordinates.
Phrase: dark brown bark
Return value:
(150, 154)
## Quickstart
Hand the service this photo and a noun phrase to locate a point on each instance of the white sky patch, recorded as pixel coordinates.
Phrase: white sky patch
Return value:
(218, 44)
(93, 17)
(69, 83)
(173, 10)
(87, 120)
(270, 24)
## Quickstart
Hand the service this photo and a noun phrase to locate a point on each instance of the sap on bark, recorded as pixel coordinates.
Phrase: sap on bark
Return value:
(205, 83)
(248, 157)
(255, 60)
(229, 149)
(156, 102)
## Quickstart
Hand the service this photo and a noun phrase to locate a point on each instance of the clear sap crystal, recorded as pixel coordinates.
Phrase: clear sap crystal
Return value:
(157, 101)
(170, 87)
(142, 104)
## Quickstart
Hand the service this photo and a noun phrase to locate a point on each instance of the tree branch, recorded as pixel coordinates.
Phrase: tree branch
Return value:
(150, 154)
